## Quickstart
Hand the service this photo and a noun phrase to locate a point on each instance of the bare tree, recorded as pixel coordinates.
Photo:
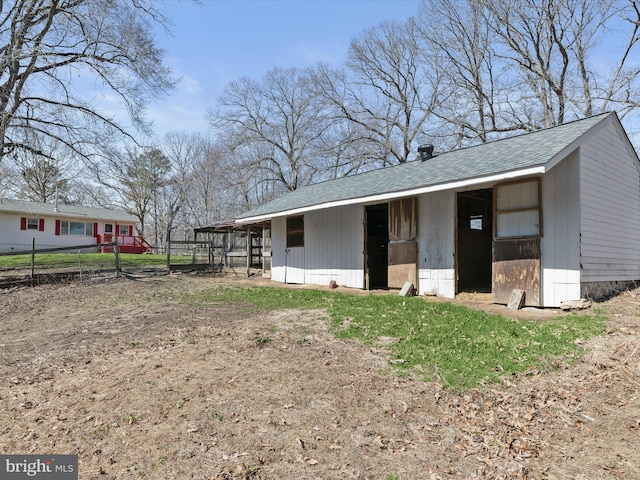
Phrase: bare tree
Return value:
(185, 153)
(349, 149)
(42, 182)
(10, 180)
(213, 189)
(553, 45)
(54, 52)
(389, 90)
(476, 87)
(88, 194)
(278, 122)
(352, 142)
(251, 185)
(41, 178)
(135, 179)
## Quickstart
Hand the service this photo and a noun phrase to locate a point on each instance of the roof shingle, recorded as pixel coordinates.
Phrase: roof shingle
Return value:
(499, 157)
(64, 211)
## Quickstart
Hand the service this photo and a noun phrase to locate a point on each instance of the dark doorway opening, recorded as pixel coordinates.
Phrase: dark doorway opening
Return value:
(377, 245)
(474, 240)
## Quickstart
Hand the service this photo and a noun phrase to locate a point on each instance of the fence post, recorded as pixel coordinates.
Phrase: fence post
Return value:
(168, 255)
(116, 252)
(249, 251)
(33, 258)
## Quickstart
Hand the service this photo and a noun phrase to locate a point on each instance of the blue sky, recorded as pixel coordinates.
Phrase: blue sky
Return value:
(219, 41)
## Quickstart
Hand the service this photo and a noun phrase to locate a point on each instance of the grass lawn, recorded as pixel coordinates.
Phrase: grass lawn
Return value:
(88, 260)
(459, 346)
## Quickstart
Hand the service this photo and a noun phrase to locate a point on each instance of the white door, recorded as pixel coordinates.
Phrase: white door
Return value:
(294, 265)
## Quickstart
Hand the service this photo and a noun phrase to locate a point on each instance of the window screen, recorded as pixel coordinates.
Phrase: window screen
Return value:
(295, 231)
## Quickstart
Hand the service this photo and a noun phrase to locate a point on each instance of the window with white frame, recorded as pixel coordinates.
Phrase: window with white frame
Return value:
(518, 209)
(32, 224)
(76, 228)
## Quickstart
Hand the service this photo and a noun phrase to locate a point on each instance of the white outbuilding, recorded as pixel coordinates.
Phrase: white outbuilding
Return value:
(555, 213)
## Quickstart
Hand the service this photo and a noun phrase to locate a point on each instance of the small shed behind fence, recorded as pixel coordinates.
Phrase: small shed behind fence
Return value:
(230, 248)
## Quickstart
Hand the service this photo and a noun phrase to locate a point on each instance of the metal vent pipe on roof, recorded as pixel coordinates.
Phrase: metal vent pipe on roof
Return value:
(426, 152)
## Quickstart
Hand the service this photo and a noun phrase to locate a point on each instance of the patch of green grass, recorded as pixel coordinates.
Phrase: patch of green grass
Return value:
(85, 259)
(132, 419)
(180, 403)
(217, 416)
(460, 346)
(262, 340)
(464, 347)
(266, 298)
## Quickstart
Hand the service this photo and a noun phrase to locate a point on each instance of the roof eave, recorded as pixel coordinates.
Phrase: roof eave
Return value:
(398, 194)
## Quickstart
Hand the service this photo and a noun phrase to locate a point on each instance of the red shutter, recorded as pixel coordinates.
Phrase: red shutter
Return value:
(131, 230)
(117, 232)
(23, 223)
(41, 225)
(95, 229)
(57, 227)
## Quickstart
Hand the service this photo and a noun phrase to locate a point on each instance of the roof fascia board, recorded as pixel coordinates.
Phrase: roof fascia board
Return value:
(393, 195)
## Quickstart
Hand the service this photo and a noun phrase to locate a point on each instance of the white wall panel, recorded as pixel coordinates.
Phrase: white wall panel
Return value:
(278, 248)
(333, 248)
(610, 209)
(561, 232)
(334, 245)
(436, 239)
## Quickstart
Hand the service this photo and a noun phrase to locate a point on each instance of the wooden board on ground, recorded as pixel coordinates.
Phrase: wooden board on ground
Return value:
(516, 301)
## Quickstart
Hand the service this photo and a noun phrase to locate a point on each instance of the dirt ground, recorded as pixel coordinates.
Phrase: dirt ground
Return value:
(142, 386)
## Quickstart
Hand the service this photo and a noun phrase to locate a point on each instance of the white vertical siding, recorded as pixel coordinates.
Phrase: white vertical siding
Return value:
(278, 248)
(333, 248)
(436, 240)
(295, 270)
(610, 209)
(560, 246)
(334, 245)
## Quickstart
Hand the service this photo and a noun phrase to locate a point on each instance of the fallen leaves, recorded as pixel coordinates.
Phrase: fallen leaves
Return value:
(220, 410)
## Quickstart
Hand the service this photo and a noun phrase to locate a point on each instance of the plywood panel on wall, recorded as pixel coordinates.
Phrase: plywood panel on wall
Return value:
(516, 274)
(403, 248)
(516, 265)
(403, 257)
(402, 219)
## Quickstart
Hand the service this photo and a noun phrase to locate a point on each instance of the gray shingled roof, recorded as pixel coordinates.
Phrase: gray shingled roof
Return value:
(499, 157)
(37, 209)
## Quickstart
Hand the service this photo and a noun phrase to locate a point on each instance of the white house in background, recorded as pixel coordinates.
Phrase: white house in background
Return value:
(555, 213)
(50, 226)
